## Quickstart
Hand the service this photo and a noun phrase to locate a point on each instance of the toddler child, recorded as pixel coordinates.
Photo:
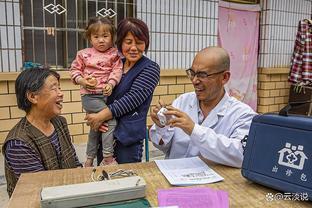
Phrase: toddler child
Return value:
(98, 70)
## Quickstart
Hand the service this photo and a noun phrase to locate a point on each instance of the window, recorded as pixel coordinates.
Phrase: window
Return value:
(53, 29)
(10, 36)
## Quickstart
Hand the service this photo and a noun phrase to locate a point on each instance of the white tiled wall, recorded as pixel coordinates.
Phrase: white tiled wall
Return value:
(179, 29)
(278, 28)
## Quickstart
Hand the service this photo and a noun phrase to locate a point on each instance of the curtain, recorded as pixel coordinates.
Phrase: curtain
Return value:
(238, 31)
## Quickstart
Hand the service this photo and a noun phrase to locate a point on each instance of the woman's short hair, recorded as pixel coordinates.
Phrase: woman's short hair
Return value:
(94, 25)
(137, 27)
(31, 80)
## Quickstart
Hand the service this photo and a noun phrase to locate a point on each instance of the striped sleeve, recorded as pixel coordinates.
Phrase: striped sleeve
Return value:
(142, 87)
(21, 158)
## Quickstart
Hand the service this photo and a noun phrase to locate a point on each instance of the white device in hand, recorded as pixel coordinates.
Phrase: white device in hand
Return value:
(162, 117)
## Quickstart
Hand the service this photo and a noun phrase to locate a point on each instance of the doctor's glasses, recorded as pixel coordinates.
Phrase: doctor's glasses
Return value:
(200, 74)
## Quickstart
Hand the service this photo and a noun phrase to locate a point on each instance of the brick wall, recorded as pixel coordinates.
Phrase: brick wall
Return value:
(172, 84)
(273, 91)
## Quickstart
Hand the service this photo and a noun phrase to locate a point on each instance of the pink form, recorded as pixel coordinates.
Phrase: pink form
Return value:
(193, 197)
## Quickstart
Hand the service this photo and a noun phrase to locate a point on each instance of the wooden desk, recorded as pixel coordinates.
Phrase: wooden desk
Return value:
(242, 193)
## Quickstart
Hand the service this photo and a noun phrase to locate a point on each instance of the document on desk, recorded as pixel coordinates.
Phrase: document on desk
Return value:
(187, 171)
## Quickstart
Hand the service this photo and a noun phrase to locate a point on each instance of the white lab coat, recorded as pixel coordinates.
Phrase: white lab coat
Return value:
(218, 138)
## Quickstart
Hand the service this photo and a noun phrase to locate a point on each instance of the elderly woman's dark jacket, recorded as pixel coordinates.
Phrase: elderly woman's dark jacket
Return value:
(41, 144)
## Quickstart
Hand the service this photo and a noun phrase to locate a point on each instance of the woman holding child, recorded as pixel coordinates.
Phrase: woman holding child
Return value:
(130, 100)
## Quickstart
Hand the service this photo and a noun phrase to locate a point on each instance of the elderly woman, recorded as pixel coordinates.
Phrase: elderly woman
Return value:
(130, 100)
(40, 140)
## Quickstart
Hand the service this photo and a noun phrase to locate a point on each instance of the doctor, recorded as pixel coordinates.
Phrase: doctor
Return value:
(206, 122)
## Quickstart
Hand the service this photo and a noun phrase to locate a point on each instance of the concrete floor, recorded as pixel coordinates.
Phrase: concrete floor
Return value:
(80, 149)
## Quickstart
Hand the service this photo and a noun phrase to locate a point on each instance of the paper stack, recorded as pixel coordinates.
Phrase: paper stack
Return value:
(187, 171)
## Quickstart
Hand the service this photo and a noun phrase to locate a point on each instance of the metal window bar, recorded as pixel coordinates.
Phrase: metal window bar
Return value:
(1, 47)
(33, 33)
(14, 39)
(7, 31)
(44, 35)
(55, 40)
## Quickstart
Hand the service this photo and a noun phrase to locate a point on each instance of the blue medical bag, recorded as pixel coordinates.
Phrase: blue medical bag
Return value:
(278, 153)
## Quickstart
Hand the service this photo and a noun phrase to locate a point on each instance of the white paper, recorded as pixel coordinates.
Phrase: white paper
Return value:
(187, 171)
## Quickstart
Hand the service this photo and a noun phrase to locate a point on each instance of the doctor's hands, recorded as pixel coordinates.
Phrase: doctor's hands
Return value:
(178, 118)
(154, 112)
